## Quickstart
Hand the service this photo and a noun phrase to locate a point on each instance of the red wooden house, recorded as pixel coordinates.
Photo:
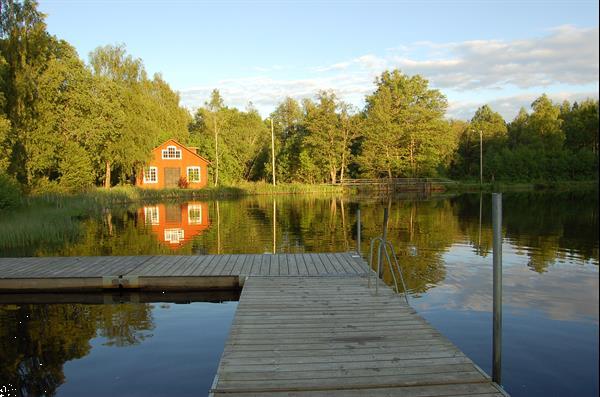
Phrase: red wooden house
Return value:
(172, 161)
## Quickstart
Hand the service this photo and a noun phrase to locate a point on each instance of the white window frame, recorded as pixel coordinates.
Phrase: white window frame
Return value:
(174, 235)
(149, 170)
(187, 174)
(151, 215)
(171, 153)
(194, 214)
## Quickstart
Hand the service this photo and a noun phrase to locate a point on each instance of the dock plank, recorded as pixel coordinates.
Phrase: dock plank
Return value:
(177, 265)
(314, 336)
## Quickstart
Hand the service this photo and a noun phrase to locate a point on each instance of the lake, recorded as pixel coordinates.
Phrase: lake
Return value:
(550, 256)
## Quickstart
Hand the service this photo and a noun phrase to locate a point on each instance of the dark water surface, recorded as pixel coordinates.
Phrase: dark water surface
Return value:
(550, 254)
(116, 349)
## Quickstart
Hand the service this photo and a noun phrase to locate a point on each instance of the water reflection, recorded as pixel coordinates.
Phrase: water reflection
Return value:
(39, 341)
(543, 228)
(174, 225)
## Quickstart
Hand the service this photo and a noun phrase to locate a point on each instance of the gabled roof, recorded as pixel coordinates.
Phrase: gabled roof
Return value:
(185, 147)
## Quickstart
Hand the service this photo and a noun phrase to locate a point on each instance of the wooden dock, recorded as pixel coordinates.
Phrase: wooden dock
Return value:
(306, 324)
(165, 273)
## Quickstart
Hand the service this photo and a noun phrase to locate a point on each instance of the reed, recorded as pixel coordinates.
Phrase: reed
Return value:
(40, 225)
(100, 197)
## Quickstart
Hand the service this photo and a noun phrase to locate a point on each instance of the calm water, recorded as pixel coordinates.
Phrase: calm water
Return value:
(550, 344)
(117, 349)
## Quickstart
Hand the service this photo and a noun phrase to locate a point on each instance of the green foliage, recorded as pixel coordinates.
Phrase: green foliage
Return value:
(487, 133)
(10, 193)
(330, 127)
(5, 146)
(580, 124)
(289, 134)
(543, 126)
(405, 132)
(323, 135)
(553, 143)
(231, 139)
(75, 168)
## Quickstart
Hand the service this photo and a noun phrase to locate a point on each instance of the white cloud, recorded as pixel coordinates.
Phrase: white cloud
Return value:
(566, 56)
(266, 92)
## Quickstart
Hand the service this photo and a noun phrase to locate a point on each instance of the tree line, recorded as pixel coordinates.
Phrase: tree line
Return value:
(67, 125)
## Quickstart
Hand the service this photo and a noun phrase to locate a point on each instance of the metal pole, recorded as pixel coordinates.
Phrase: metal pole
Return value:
(274, 226)
(480, 210)
(358, 231)
(497, 280)
(384, 236)
(273, 150)
(480, 158)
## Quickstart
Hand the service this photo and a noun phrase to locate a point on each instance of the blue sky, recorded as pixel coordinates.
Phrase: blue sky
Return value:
(504, 53)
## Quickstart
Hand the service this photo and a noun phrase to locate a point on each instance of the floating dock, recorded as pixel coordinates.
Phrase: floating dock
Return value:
(306, 324)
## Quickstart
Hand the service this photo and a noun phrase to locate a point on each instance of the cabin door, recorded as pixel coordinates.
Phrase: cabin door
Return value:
(172, 177)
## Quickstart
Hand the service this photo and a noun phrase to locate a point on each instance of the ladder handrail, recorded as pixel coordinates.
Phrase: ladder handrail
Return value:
(397, 266)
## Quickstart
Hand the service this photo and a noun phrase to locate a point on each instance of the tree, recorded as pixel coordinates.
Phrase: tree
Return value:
(517, 129)
(75, 168)
(544, 125)
(64, 119)
(580, 125)
(493, 130)
(289, 130)
(215, 106)
(246, 136)
(404, 124)
(324, 137)
(349, 124)
(25, 47)
(234, 140)
(5, 127)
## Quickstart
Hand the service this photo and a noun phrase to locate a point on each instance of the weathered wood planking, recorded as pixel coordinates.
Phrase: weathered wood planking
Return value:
(306, 324)
(58, 273)
(333, 336)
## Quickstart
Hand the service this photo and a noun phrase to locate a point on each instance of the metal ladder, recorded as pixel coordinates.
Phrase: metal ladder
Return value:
(382, 245)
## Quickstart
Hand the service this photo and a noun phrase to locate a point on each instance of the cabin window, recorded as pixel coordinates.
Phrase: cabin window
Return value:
(194, 214)
(171, 152)
(151, 175)
(174, 236)
(151, 215)
(193, 174)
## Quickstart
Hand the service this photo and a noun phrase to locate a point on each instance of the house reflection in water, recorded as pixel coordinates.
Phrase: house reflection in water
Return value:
(176, 224)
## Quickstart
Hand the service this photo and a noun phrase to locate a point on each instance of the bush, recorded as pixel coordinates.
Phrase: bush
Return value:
(10, 192)
(183, 183)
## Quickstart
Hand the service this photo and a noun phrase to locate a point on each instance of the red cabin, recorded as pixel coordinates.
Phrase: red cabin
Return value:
(171, 163)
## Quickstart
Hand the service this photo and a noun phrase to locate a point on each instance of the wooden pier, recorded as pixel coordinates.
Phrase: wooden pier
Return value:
(306, 324)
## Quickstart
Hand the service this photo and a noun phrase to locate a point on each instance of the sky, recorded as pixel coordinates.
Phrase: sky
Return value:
(501, 53)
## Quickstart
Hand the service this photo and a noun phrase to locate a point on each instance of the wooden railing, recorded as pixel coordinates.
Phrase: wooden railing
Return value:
(394, 181)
